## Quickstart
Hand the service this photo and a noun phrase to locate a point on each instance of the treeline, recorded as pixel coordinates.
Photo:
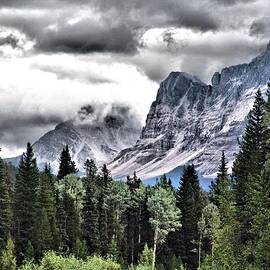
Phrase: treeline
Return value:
(92, 222)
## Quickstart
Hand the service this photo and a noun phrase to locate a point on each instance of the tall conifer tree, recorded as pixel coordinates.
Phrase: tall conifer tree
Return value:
(67, 165)
(221, 193)
(247, 173)
(25, 200)
(5, 206)
(46, 214)
(90, 230)
(190, 201)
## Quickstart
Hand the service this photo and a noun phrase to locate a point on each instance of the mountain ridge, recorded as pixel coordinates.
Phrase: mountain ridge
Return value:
(191, 122)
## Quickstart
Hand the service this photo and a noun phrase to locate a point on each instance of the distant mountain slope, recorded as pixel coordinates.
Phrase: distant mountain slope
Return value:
(193, 122)
(99, 139)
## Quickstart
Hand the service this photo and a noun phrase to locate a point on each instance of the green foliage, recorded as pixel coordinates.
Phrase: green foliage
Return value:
(67, 166)
(25, 201)
(191, 202)
(5, 205)
(248, 182)
(72, 225)
(72, 185)
(146, 258)
(89, 213)
(7, 257)
(221, 193)
(209, 222)
(51, 261)
(45, 224)
(80, 250)
(164, 215)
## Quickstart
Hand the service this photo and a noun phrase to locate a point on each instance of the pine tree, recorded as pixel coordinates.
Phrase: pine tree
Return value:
(137, 229)
(105, 216)
(261, 223)
(190, 201)
(90, 230)
(61, 234)
(43, 236)
(165, 183)
(67, 166)
(221, 193)
(45, 226)
(25, 200)
(72, 226)
(247, 174)
(5, 206)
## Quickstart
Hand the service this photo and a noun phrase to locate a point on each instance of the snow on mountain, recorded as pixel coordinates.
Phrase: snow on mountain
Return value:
(97, 133)
(193, 122)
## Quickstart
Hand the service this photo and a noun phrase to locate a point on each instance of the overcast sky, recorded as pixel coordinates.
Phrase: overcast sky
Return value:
(59, 55)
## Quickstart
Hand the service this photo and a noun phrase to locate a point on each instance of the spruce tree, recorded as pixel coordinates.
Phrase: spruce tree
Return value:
(46, 214)
(102, 206)
(221, 193)
(61, 240)
(5, 206)
(90, 230)
(25, 201)
(190, 201)
(247, 173)
(72, 225)
(66, 166)
(137, 229)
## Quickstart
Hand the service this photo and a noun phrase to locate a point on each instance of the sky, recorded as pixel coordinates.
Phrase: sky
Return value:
(57, 56)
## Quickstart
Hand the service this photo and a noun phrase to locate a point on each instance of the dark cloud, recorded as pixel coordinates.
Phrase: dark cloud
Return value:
(85, 111)
(159, 13)
(118, 29)
(109, 115)
(10, 40)
(16, 129)
(261, 27)
(232, 2)
(85, 36)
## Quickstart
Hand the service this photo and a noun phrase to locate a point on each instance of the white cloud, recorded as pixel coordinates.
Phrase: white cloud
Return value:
(25, 88)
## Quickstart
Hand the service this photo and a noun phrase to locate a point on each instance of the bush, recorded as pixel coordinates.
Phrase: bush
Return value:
(7, 257)
(51, 261)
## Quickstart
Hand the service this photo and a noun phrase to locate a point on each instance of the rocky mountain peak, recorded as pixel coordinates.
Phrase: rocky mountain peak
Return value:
(193, 122)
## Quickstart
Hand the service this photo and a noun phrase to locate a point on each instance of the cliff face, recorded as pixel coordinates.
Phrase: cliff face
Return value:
(193, 122)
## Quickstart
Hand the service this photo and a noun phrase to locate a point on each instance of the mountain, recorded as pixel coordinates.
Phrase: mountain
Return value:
(191, 121)
(94, 134)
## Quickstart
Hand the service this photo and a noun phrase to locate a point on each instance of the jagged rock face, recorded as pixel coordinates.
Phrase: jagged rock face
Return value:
(193, 122)
(98, 141)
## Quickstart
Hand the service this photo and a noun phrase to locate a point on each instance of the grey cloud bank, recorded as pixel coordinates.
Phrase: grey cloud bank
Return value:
(102, 50)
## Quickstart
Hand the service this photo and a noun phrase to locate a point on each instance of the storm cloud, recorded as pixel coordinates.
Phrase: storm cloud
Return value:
(58, 55)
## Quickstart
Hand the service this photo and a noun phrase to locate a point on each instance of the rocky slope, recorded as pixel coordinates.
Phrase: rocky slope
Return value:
(88, 136)
(193, 122)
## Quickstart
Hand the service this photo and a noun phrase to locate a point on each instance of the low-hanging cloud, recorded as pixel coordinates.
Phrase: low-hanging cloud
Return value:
(261, 27)
(108, 115)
